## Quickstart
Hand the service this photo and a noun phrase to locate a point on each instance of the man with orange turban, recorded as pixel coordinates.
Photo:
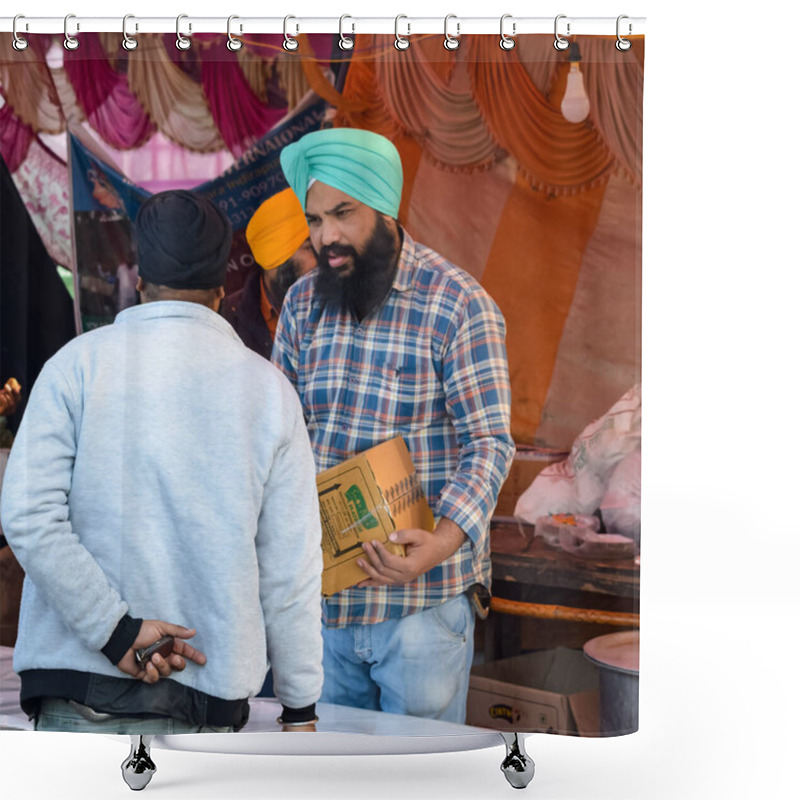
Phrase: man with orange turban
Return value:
(278, 237)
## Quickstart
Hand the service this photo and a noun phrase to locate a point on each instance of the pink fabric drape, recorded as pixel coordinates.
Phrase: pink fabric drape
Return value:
(15, 138)
(103, 94)
(174, 102)
(239, 115)
(43, 184)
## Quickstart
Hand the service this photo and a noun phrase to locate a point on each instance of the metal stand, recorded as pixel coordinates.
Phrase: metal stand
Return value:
(138, 768)
(518, 766)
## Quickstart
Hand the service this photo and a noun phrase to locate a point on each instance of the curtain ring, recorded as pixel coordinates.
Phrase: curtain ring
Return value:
(70, 42)
(561, 43)
(289, 43)
(506, 42)
(233, 43)
(622, 44)
(19, 43)
(182, 43)
(345, 42)
(451, 42)
(128, 42)
(400, 42)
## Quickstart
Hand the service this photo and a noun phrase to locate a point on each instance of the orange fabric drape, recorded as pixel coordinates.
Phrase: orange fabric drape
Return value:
(615, 84)
(446, 118)
(456, 212)
(364, 106)
(554, 154)
(394, 92)
(532, 273)
(600, 344)
(320, 84)
(539, 59)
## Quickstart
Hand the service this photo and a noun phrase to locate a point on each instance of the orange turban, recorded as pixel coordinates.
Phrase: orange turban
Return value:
(277, 229)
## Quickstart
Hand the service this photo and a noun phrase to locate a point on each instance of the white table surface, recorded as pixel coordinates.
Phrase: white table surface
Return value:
(340, 731)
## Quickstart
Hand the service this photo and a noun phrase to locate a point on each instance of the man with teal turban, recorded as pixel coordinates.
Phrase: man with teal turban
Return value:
(387, 338)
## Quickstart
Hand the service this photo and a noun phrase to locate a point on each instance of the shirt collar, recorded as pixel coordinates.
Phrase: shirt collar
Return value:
(403, 278)
(177, 309)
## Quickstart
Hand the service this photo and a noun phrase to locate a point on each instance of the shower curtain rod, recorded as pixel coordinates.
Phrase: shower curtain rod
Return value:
(346, 25)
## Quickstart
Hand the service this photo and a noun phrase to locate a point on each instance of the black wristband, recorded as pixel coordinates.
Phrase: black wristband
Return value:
(294, 715)
(122, 639)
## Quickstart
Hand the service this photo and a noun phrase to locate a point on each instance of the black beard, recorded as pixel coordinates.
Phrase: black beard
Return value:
(371, 278)
(285, 275)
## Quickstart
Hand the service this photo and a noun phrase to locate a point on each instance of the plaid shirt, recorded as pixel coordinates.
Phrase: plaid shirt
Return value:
(430, 365)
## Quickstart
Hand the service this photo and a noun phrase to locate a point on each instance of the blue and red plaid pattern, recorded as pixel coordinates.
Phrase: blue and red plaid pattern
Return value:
(429, 365)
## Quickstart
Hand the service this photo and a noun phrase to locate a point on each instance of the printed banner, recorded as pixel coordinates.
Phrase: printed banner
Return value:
(105, 203)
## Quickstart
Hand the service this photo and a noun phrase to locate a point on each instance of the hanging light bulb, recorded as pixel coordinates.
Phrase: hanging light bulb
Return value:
(575, 105)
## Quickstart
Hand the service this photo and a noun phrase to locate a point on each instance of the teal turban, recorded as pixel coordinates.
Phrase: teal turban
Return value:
(364, 165)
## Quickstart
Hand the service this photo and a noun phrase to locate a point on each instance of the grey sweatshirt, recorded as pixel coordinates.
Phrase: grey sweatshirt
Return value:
(163, 470)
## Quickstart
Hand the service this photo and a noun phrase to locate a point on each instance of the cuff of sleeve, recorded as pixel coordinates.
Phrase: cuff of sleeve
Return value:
(122, 639)
(461, 511)
(295, 715)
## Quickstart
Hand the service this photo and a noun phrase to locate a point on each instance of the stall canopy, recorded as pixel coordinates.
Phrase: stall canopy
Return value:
(545, 213)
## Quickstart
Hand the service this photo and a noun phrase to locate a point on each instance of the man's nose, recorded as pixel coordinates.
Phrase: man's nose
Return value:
(329, 233)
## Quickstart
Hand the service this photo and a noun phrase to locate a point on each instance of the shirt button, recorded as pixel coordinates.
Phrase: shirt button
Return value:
(345, 426)
(359, 331)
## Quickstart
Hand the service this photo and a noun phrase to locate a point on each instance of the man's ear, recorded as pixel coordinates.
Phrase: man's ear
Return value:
(219, 292)
(140, 285)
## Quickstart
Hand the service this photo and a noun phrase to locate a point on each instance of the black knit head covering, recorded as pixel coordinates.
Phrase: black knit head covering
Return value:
(183, 241)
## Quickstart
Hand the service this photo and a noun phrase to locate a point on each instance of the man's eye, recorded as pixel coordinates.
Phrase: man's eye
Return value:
(343, 213)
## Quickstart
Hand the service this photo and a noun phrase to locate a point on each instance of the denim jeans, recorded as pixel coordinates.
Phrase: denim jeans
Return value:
(418, 664)
(59, 715)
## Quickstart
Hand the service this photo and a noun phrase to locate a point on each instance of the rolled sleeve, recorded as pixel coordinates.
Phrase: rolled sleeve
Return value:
(478, 400)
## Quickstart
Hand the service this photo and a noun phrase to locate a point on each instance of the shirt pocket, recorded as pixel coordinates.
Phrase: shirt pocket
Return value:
(411, 391)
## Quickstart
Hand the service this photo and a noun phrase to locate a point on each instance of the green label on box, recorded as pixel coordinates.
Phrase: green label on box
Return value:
(358, 508)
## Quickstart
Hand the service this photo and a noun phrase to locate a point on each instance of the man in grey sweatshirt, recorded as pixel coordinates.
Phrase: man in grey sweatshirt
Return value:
(162, 483)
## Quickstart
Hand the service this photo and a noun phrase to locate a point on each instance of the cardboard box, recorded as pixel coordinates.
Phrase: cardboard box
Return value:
(364, 499)
(550, 691)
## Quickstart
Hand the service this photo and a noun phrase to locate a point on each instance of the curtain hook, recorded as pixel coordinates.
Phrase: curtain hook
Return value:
(561, 43)
(289, 43)
(234, 44)
(182, 43)
(401, 42)
(506, 42)
(623, 44)
(128, 42)
(19, 43)
(70, 42)
(451, 42)
(345, 42)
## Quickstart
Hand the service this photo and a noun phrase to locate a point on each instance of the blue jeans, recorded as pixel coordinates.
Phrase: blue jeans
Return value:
(418, 664)
(58, 715)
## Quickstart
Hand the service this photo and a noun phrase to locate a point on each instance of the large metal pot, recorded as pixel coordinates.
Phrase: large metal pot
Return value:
(617, 658)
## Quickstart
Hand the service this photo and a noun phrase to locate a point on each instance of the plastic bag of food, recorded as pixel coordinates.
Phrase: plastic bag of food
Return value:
(549, 527)
(621, 505)
(578, 484)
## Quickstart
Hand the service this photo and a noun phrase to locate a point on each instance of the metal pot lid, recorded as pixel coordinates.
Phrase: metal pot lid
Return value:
(615, 650)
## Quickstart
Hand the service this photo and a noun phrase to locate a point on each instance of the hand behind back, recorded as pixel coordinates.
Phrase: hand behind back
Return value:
(159, 667)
